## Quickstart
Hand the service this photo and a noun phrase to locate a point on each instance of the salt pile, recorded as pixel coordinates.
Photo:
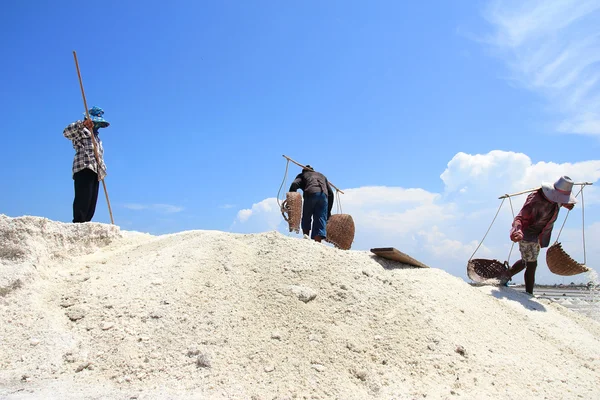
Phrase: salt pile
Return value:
(89, 311)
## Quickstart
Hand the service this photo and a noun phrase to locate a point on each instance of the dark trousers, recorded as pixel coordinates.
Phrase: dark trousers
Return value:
(86, 195)
(314, 211)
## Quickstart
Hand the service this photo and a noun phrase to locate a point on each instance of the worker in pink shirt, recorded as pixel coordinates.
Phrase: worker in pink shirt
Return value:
(532, 227)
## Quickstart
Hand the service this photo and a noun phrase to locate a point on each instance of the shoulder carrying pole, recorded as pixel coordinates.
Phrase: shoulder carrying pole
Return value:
(303, 166)
(93, 139)
(537, 188)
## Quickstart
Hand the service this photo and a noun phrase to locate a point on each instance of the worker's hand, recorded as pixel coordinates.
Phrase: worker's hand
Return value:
(516, 236)
(569, 206)
(88, 123)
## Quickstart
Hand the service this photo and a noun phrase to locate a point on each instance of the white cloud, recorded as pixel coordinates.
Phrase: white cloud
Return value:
(262, 216)
(477, 178)
(480, 173)
(553, 48)
(162, 208)
(243, 215)
(442, 247)
(444, 229)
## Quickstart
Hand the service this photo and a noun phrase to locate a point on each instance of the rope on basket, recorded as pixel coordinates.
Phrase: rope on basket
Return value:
(583, 222)
(583, 225)
(513, 243)
(283, 182)
(488, 231)
(283, 206)
(338, 202)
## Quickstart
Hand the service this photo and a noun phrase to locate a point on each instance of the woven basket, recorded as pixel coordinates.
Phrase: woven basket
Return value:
(560, 263)
(482, 269)
(292, 206)
(340, 231)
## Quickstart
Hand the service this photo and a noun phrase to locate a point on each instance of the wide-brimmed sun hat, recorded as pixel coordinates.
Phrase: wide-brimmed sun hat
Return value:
(560, 191)
(96, 116)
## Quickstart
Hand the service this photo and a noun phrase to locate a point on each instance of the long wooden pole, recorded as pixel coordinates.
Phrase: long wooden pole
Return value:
(112, 221)
(304, 166)
(537, 188)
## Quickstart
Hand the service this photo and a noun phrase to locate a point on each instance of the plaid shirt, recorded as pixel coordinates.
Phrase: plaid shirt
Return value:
(84, 149)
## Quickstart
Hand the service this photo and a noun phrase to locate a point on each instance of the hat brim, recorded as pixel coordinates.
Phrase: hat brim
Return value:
(557, 197)
(101, 121)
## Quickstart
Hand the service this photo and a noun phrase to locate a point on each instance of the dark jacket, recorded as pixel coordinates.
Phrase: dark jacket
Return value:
(311, 182)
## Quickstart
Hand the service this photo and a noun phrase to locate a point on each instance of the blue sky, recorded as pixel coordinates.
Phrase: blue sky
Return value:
(204, 98)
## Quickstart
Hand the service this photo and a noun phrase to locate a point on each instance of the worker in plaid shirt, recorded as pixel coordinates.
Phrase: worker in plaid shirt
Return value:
(86, 171)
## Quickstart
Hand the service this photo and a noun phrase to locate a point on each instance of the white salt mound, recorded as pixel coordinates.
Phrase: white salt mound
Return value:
(92, 312)
(30, 245)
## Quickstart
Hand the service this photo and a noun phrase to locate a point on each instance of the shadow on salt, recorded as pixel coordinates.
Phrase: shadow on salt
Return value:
(525, 300)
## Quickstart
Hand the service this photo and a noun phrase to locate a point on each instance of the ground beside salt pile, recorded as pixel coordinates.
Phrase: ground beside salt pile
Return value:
(89, 312)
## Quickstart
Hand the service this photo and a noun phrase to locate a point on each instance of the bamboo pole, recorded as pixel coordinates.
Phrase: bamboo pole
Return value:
(87, 114)
(537, 188)
(304, 166)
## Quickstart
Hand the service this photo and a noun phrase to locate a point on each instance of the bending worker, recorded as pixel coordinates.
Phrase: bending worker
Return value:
(532, 227)
(317, 204)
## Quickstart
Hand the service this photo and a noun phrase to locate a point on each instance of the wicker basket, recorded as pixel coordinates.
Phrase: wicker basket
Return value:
(340, 231)
(292, 205)
(482, 269)
(560, 263)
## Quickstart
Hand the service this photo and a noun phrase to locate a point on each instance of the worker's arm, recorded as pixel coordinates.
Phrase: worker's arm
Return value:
(297, 184)
(523, 219)
(330, 200)
(77, 131)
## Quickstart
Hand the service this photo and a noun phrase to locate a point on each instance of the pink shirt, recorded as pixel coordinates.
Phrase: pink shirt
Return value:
(536, 219)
